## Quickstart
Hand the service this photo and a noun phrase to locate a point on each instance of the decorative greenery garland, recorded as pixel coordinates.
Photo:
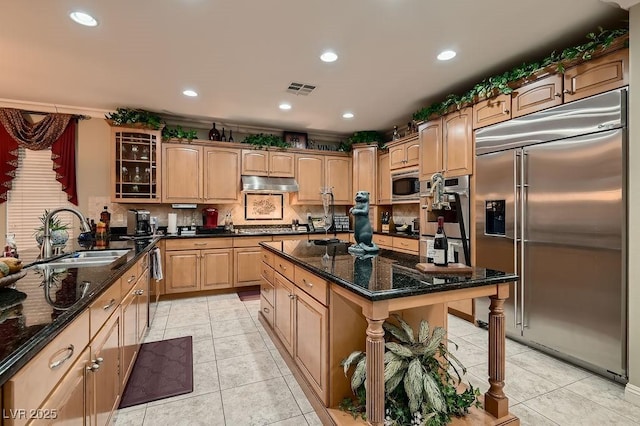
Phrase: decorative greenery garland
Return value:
(124, 116)
(179, 133)
(263, 140)
(502, 83)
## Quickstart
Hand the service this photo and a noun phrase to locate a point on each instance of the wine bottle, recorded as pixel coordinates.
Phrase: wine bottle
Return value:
(440, 245)
(214, 134)
(224, 137)
(396, 135)
(230, 135)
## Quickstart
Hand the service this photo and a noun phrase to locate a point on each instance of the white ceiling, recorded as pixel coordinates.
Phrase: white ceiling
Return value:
(241, 55)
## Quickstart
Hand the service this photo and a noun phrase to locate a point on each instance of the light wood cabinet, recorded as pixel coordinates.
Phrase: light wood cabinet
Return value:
(196, 174)
(104, 372)
(310, 177)
(384, 180)
(492, 111)
(404, 153)
(128, 334)
(311, 343)
(284, 309)
(446, 145)
(537, 95)
(338, 175)
(136, 159)
(365, 174)
(217, 270)
(406, 245)
(268, 163)
(194, 264)
(596, 76)
(142, 301)
(247, 265)
(221, 175)
(183, 271)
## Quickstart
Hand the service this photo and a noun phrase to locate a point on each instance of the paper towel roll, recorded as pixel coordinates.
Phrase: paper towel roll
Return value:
(172, 227)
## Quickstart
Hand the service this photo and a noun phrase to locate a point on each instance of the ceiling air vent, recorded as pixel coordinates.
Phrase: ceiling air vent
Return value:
(300, 88)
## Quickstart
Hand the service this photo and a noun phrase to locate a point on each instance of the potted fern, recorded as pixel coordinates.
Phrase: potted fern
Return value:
(419, 386)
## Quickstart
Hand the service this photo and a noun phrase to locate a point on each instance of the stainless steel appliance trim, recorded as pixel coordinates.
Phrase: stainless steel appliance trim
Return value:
(268, 184)
(403, 175)
(523, 202)
(516, 160)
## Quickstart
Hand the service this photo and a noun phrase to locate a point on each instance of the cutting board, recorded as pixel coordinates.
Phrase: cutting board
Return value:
(452, 268)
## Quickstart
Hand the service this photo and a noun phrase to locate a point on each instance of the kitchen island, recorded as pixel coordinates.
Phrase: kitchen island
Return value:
(320, 303)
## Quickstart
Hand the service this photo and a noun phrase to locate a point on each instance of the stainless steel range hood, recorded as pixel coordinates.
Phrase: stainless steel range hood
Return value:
(268, 184)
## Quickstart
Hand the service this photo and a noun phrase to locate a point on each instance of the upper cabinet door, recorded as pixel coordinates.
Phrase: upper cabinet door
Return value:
(338, 172)
(221, 175)
(281, 164)
(397, 157)
(412, 153)
(597, 75)
(365, 175)
(430, 148)
(458, 143)
(537, 95)
(181, 176)
(255, 162)
(136, 156)
(310, 177)
(384, 180)
(492, 111)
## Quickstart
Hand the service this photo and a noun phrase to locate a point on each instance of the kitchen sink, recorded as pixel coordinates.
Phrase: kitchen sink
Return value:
(85, 259)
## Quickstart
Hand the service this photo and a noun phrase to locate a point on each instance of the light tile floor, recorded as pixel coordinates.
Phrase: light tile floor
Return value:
(241, 379)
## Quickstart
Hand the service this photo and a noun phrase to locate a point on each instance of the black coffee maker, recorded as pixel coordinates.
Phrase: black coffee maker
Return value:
(138, 222)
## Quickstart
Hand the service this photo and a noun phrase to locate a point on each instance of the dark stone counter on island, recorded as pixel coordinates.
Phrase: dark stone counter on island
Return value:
(387, 275)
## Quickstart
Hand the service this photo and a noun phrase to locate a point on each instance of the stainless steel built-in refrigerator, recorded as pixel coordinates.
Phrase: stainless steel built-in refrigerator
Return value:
(551, 205)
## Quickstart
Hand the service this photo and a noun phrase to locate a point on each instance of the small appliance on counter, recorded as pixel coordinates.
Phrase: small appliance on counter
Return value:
(138, 222)
(209, 218)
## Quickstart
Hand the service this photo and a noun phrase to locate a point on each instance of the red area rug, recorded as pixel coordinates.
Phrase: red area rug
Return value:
(162, 369)
(247, 295)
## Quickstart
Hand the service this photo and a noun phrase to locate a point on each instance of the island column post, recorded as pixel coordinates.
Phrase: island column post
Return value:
(375, 313)
(495, 401)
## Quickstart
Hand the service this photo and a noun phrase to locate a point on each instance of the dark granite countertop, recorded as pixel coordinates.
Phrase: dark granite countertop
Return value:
(33, 312)
(387, 275)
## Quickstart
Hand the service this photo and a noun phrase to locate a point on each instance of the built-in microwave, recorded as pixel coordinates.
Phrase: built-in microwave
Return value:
(405, 186)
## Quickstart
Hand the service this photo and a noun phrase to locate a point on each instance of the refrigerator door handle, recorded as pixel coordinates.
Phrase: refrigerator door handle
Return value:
(516, 187)
(523, 203)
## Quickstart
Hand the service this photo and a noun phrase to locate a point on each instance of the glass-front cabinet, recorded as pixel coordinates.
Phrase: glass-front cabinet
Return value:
(136, 154)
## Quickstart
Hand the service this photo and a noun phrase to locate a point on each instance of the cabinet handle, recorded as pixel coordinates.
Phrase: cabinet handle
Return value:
(199, 244)
(558, 95)
(266, 310)
(58, 363)
(131, 279)
(403, 244)
(93, 368)
(505, 110)
(284, 268)
(291, 296)
(307, 283)
(109, 305)
(139, 292)
(98, 360)
(568, 92)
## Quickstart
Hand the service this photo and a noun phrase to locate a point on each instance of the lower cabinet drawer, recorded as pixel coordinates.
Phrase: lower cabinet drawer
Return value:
(312, 285)
(383, 240)
(267, 272)
(406, 245)
(267, 257)
(29, 387)
(284, 267)
(267, 310)
(102, 308)
(267, 291)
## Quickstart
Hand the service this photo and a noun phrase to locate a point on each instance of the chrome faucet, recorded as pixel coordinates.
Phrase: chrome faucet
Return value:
(47, 247)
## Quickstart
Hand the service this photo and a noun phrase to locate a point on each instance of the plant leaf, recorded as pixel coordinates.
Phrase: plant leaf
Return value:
(393, 367)
(396, 331)
(400, 350)
(433, 394)
(359, 375)
(424, 331)
(406, 327)
(413, 384)
(391, 384)
(353, 357)
(436, 338)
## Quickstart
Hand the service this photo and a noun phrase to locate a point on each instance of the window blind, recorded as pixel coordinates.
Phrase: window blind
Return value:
(35, 189)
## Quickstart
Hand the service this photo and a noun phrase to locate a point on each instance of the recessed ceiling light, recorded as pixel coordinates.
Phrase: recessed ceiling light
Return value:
(347, 115)
(285, 106)
(328, 56)
(83, 19)
(191, 93)
(445, 55)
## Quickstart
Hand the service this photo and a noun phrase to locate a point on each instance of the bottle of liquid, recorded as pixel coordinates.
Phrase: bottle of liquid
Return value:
(440, 245)
(223, 137)
(105, 217)
(214, 134)
(396, 135)
(102, 239)
(230, 135)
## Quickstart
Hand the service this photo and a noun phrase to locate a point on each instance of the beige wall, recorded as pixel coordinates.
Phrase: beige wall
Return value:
(634, 207)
